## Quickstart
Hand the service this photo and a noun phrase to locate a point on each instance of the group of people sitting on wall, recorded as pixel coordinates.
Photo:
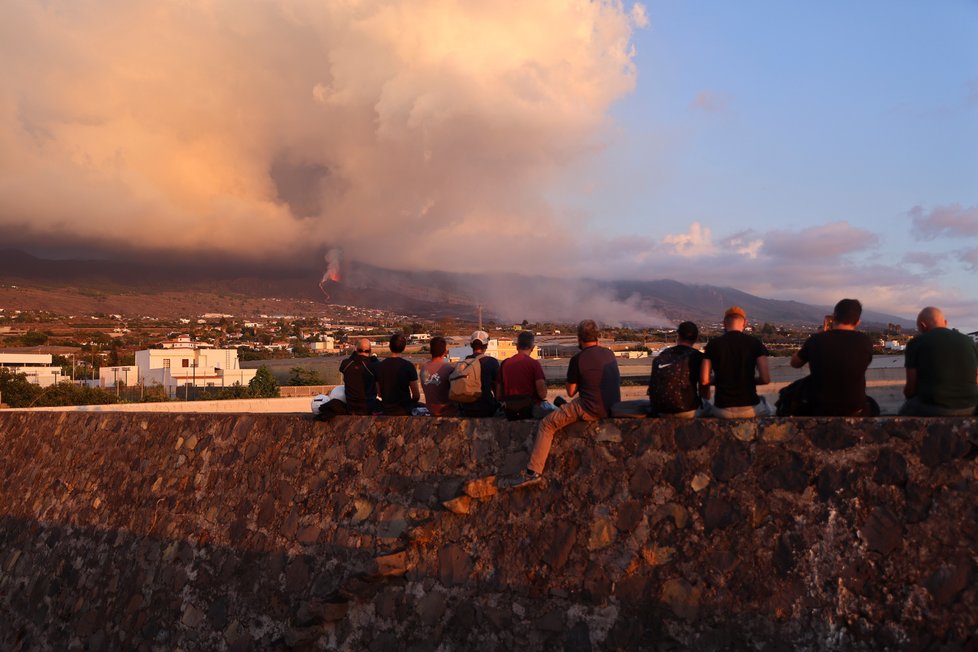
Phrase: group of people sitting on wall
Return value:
(721, 381)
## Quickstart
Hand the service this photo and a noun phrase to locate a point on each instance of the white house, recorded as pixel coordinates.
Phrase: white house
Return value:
(36, 366)
(494, 349)
(328, 345)
(200, 367)
(184, 342)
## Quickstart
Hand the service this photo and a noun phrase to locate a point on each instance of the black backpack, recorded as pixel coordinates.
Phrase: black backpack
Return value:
(670, 386)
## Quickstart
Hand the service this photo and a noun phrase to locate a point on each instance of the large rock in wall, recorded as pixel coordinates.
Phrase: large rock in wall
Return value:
(142, 531)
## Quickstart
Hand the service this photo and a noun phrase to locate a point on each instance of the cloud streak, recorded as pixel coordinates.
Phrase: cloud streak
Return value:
(952, 221)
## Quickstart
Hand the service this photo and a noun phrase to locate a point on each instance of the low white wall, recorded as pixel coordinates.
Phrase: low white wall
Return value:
(300, 404)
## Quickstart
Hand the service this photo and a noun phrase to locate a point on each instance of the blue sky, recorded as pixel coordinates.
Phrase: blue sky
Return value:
(769, 116)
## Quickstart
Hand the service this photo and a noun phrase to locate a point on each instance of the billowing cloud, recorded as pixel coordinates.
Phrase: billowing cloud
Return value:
(825, 242)
(640, 15)
(698, 241)
(745, 243)
(398, 131)
(953, 221)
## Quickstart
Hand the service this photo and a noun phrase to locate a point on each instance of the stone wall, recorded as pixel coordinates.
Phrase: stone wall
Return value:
(246, 532)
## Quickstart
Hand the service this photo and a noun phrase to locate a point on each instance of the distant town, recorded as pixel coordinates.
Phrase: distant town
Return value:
(77, 359)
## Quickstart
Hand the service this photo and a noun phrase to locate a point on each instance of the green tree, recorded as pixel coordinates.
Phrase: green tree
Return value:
(155, 393)
(234, 391)
(304, 377)
(16, 390)
(263, 385)
(69, 394)
(34, 338)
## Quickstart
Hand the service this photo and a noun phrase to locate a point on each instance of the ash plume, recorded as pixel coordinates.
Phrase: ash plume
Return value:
(267, 131)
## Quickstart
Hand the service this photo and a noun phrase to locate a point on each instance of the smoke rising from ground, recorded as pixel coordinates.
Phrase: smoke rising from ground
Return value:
(398, 131)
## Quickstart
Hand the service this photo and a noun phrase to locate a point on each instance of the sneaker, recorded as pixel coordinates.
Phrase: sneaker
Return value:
(526, 478)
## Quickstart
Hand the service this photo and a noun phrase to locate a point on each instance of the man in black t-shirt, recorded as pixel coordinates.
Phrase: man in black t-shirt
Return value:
(838, 359)
(942, 370)
(733, 359)
(593, 377)
(398, 380)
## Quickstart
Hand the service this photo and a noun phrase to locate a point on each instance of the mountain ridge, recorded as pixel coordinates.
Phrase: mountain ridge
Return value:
(437, 294)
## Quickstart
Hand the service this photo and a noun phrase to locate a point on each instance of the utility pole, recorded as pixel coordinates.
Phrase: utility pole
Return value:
(480, 316)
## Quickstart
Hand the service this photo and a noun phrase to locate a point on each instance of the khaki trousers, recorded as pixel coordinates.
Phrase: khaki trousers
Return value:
(562, 417)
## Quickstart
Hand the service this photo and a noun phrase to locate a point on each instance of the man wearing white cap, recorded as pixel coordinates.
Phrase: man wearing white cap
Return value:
(486, 405)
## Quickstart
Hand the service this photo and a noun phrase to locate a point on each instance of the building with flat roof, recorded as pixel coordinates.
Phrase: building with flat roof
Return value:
(172, 368)
(36, 366)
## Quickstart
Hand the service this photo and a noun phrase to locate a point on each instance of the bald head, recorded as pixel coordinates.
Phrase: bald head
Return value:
(930, 317)
(363, 346)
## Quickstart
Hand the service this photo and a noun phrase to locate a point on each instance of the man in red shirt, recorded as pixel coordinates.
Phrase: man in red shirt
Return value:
(594, 382)
(522, 385)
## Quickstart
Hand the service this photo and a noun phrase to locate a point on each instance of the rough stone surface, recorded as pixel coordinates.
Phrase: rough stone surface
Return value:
(243, 532)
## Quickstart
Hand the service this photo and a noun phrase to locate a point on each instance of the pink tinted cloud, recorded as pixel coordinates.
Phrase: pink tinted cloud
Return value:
(952, 221)
(926, 260)
(825, 242)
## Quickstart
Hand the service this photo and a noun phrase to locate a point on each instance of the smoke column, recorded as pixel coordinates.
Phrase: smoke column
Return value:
(332, 272)
(398, 131)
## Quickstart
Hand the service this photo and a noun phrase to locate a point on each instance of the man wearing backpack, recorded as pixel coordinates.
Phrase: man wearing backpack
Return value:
(483, 368)
(593, 380)
(674, 384)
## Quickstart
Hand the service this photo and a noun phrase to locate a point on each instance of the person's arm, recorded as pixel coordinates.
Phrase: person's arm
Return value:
(499, 386)
(705, 369)
(573, 377)
(910, 387)
(763, 372)
(801, 356)
(703, 390)
(541, 386)
(415, 390)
